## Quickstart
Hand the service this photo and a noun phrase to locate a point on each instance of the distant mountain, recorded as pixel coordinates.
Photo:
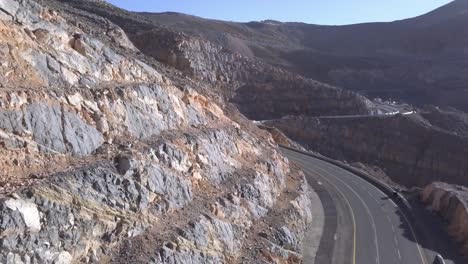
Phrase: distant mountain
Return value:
(422, 60)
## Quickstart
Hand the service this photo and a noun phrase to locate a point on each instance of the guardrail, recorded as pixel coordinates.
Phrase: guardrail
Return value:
(387, 189)
(401, 202)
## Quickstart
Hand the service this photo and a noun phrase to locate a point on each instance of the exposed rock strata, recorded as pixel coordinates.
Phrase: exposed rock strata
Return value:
(108, 156)
(421, 60)
(412, 151)
(408, 148)
(451, 202)
(259, 90)
(232, 74)
(50, 60)
(199, 179)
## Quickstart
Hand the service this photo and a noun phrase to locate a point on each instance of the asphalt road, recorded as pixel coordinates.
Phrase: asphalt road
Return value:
(370, 229)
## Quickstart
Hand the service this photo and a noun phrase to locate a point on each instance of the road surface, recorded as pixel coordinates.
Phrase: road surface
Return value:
(370, 229)
(386, 114)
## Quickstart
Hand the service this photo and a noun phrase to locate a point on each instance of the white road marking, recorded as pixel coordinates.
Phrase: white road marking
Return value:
(347, 202)
(423, 258)
(363, 203)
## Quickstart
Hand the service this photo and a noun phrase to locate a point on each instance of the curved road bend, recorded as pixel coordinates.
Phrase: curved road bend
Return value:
(380, 233)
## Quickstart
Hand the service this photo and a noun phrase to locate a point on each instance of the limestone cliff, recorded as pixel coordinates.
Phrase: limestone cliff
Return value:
(108, 156)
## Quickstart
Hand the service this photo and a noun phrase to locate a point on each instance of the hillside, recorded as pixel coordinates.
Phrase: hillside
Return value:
(262, 90)
(230, 75)
(109, 156)
(422, 60)
(125, 137)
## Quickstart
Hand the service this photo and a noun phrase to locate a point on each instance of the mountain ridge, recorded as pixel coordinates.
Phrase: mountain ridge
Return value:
(409, 60)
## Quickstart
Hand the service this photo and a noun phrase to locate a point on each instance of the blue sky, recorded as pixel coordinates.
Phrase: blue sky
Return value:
(329, 12)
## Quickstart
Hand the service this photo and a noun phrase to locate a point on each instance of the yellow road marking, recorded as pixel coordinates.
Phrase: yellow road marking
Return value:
(363, 203)
(349, 206)
(421, 255)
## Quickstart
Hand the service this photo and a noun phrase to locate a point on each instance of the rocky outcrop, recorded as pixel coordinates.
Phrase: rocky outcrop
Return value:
(408, 148)
(257, 88)
(107, 156)
(37, 52)
(275, 99)
(451, 202)
(448, 119)
(197, 177)
(420, 60)
(279, 137)
(51, 128)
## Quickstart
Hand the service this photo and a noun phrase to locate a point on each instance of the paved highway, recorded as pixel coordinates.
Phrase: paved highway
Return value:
(386, 114)
(371, 229)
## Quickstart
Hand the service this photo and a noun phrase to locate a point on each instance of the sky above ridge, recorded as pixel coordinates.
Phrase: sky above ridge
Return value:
(326, 12)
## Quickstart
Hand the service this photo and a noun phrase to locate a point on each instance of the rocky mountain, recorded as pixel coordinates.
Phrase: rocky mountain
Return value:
(414, 151)
(124, 135)
(420, 60)
(233, 76)
(109, 156)
(411, 150)
(270, 87)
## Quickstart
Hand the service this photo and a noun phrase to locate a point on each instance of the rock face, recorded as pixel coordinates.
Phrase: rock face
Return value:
(448, 119)
(451, 202)
(263, 67)
(52, 129)
(197, 178)
(260, 91)
(31, 60)
(257, 65)
(420, 60)
(409, 148)
(279, 98)
(256, 87)
(108, 156)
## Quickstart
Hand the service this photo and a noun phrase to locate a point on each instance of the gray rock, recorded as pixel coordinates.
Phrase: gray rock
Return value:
(176, 190)
(14, 259)
(287, 239)
(101, 123)
(185, 165)
(9, 7)
(53, 65)
(142, 125)
(173, 157)
(81, 138)
(53, 129)
(28, 211)
(11, 121)
(170, 256)
(63, 258)
(45, 122)
(204, 230)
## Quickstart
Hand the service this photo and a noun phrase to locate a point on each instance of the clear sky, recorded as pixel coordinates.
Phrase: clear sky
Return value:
(327, 12)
